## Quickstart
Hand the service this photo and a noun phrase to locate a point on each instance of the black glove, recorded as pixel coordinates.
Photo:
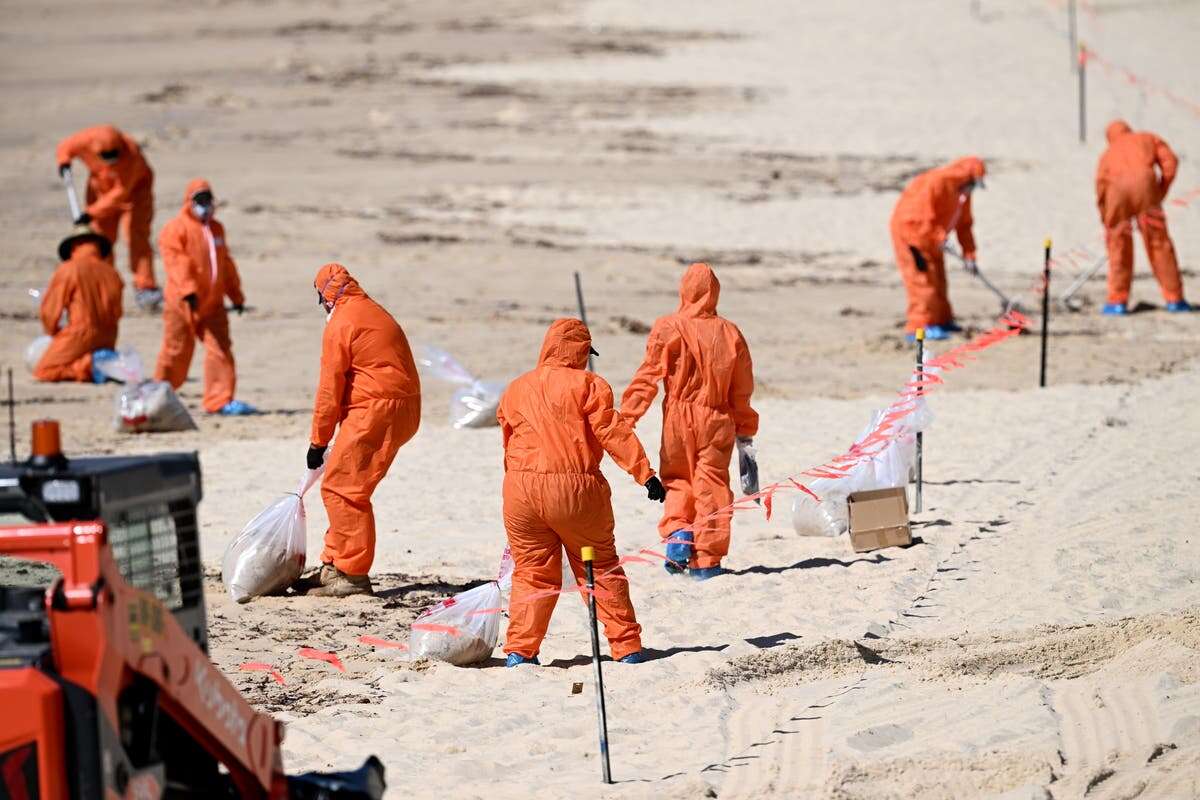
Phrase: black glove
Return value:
(920, 259)
(63, 169)
(191, 300)
(83, 219)
(655, 490)
(316, 456)
(240, 309)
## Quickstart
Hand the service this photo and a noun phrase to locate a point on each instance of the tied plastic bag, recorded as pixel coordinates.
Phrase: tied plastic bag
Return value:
(748, 465)
(475, 402)
(268, 555)
(150, 407)
(828, 517)
(465, 628)
(36, 349)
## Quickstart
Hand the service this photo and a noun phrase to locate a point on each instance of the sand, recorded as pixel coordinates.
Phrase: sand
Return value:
(1039, 640)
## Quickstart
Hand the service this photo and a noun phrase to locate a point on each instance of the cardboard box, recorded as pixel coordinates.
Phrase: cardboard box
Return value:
(879, 518)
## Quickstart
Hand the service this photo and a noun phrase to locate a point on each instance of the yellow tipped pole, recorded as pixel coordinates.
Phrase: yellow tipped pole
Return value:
(920, 337)
(1082, 70)
(588, 555)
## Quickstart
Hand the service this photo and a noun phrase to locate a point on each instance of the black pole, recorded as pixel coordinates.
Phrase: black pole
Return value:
(1071, 33)
(583, 315)
(1082, 93)
(588, 555)
(12, 420)
(1045, 309)
(920, 336)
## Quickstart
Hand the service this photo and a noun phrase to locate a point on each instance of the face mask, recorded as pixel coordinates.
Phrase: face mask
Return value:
(202, 212)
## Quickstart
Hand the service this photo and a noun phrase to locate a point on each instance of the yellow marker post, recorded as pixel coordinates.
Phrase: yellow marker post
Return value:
(588, 555)
(920, 337)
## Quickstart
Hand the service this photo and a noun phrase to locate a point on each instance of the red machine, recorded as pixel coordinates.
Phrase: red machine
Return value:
(105, 684)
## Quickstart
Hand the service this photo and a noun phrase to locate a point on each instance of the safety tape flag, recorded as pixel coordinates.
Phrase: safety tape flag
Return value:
(375, 641)
(258, 666)
(321, 655)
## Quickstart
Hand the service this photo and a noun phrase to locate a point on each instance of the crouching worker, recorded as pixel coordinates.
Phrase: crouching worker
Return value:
(200, 275)
(370, 388)
(704, 364)
(88, 289)
(557, 422)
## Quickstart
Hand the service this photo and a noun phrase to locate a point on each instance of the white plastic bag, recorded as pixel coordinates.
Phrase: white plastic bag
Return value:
(150, 407)
(747, 465)
(474, 404)
(36, 349)
(125, 368)
(828, 517)
(268, 555)
(463, 629)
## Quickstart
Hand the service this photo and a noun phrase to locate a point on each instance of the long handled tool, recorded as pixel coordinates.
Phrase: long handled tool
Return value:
(589, 555)
(583, 315)
(1007, 303)
(1077, 284)
(69, 183)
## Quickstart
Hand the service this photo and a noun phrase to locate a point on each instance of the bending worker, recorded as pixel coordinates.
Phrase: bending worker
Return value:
(704, 364)
(200, 275)
(120, 195)
(88, 289)
(1132, 180)
(557, 421)
(370, 388)
(933, 204)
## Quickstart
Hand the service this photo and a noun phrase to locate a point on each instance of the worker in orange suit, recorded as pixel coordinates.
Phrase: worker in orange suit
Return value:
(557, 422)
(200, 275)
(704, 365)
(369, 391)
(120, 196)
(934, 204)
(1132, 181)
(88, 289)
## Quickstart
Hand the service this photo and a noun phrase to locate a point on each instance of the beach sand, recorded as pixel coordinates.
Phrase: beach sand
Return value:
(1039, 639)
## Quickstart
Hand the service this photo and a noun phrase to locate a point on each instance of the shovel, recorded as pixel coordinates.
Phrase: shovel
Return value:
(1007, 304)
(1078, 283)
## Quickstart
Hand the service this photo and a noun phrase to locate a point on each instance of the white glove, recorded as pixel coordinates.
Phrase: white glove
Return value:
(970, 265)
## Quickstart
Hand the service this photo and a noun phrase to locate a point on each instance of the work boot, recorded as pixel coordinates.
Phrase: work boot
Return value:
(636, 657)
(148, 299)
(329, 581)
(953, 327)
(678, 552)
(1114, 309)
(1179, 306)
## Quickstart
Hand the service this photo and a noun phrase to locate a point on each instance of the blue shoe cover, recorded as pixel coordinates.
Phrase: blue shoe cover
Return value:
(953, 327)
(236, 408)
(679, 552)
(704, 573)
(635, 657)
(1179, 306)
(101, 357)
(516, 660)
(933, 333)
(1115, 309)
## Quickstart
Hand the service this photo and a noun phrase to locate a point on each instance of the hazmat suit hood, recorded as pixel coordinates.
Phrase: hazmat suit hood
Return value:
(106, 138)
(966, 169)
(567, 344)
(334, 283)
(699, 291)
(194, 187)
(1116, 129)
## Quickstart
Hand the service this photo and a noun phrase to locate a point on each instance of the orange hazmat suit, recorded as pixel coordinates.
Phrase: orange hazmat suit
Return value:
(557, 422)
(704, 364)
(88, 288)
(370, 387)
(1128, 187)
(932, 206)
(120, 195)
(198, 264)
